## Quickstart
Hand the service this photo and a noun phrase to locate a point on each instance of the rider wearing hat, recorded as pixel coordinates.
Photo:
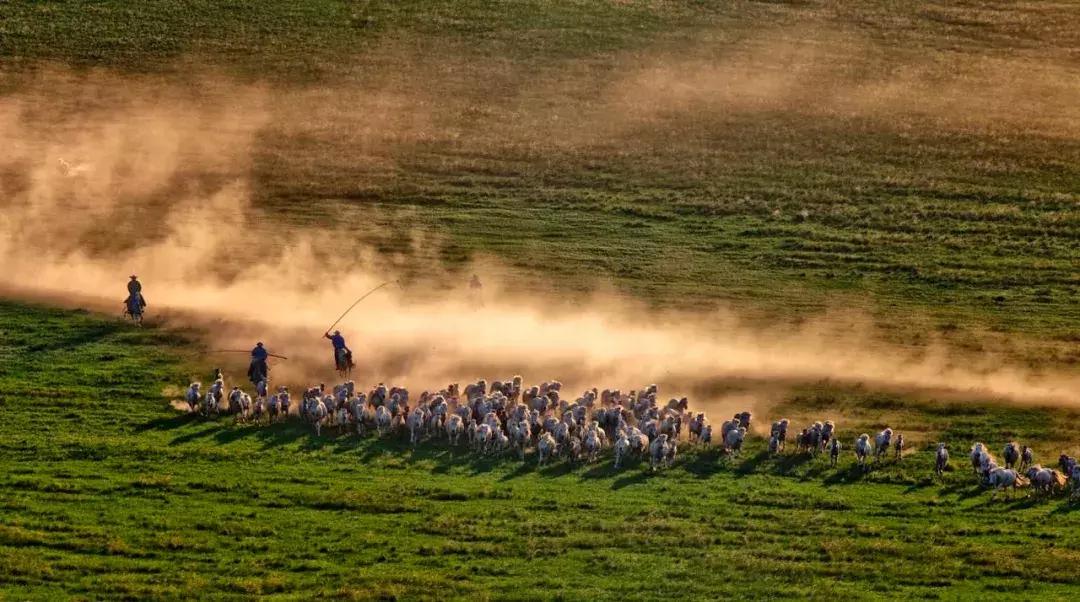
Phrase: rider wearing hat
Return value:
(259, 352)
(338, 342)
(258, 370)
(134, 288)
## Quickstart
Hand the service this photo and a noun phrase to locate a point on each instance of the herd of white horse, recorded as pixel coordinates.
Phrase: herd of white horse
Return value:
(504, 417)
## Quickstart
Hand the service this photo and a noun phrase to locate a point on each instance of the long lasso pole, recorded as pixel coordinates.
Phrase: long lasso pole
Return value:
(242, 351)
(357, 302)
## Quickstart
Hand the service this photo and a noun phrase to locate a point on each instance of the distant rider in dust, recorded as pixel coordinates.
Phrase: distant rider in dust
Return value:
(342, 354)
(477, 290)
(135, 290)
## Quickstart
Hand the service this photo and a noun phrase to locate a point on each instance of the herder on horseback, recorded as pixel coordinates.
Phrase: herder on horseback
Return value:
(259, 370)
(342, 354)
(135, 302)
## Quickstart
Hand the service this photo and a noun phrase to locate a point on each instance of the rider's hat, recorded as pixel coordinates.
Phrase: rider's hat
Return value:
(337, 332)
(133, 276)
(259, 344)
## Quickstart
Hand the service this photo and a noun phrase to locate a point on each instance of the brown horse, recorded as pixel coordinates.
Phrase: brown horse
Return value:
(343, 362)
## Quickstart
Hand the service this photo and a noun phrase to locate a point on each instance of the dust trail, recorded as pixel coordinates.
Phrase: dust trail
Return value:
(158, 183)
(834, 74)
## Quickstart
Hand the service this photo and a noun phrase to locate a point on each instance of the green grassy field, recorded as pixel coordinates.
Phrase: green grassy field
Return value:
(919, 162)
(780, 157)
(108, 491)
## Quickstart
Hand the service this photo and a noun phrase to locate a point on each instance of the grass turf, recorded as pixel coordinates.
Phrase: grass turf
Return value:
(492, 134)
(109, 492)
(782, 208)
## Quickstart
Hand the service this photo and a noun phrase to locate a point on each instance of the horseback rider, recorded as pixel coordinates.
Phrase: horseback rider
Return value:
(134, 288)
(475, 286)
(342, 354)
(258, 370)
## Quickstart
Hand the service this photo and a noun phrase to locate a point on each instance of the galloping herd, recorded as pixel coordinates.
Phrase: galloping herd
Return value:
(503, 417)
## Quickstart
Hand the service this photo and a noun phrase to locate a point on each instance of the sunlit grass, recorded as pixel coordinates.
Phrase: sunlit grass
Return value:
(118, 494)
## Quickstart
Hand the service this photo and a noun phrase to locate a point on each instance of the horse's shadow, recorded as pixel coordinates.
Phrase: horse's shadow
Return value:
(1015, 501)
(787, 463)
(1068, 507)
(601, 470)
(557, 469)
(523, 469)
(705, 463)
(273, 435)
(484, 465)
(963, 490)
(853, 474)
(752, 464)
(213, 429)
(923, 484)
(445, 459)
(167, 424)
(635, 478)
(1029, 501)
(436, 455)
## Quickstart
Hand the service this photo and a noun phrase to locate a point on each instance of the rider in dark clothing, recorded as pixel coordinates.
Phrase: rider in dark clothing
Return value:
(135, 289)
(475, 287)
(258, 369)
(339, 345)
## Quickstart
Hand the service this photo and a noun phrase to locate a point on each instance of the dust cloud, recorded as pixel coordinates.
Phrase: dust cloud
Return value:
(835, 75)
(129, 174)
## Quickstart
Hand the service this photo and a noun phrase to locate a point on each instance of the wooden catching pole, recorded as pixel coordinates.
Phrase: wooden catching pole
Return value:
(280, 357)
(357, 302)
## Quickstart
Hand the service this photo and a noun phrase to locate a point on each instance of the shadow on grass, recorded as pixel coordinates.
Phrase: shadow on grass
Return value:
(787, 464)
(705, 463)
(1068, 507)
(1023, 503)
(853, 474)
(605, 468)
(279, 434)
(750, 464)
(637, 477)
(199, 434)
(557, 469)
(441, 459)
(964, 490)
(170, 423)
(77, 337)
(438, 457)
(523, 469)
